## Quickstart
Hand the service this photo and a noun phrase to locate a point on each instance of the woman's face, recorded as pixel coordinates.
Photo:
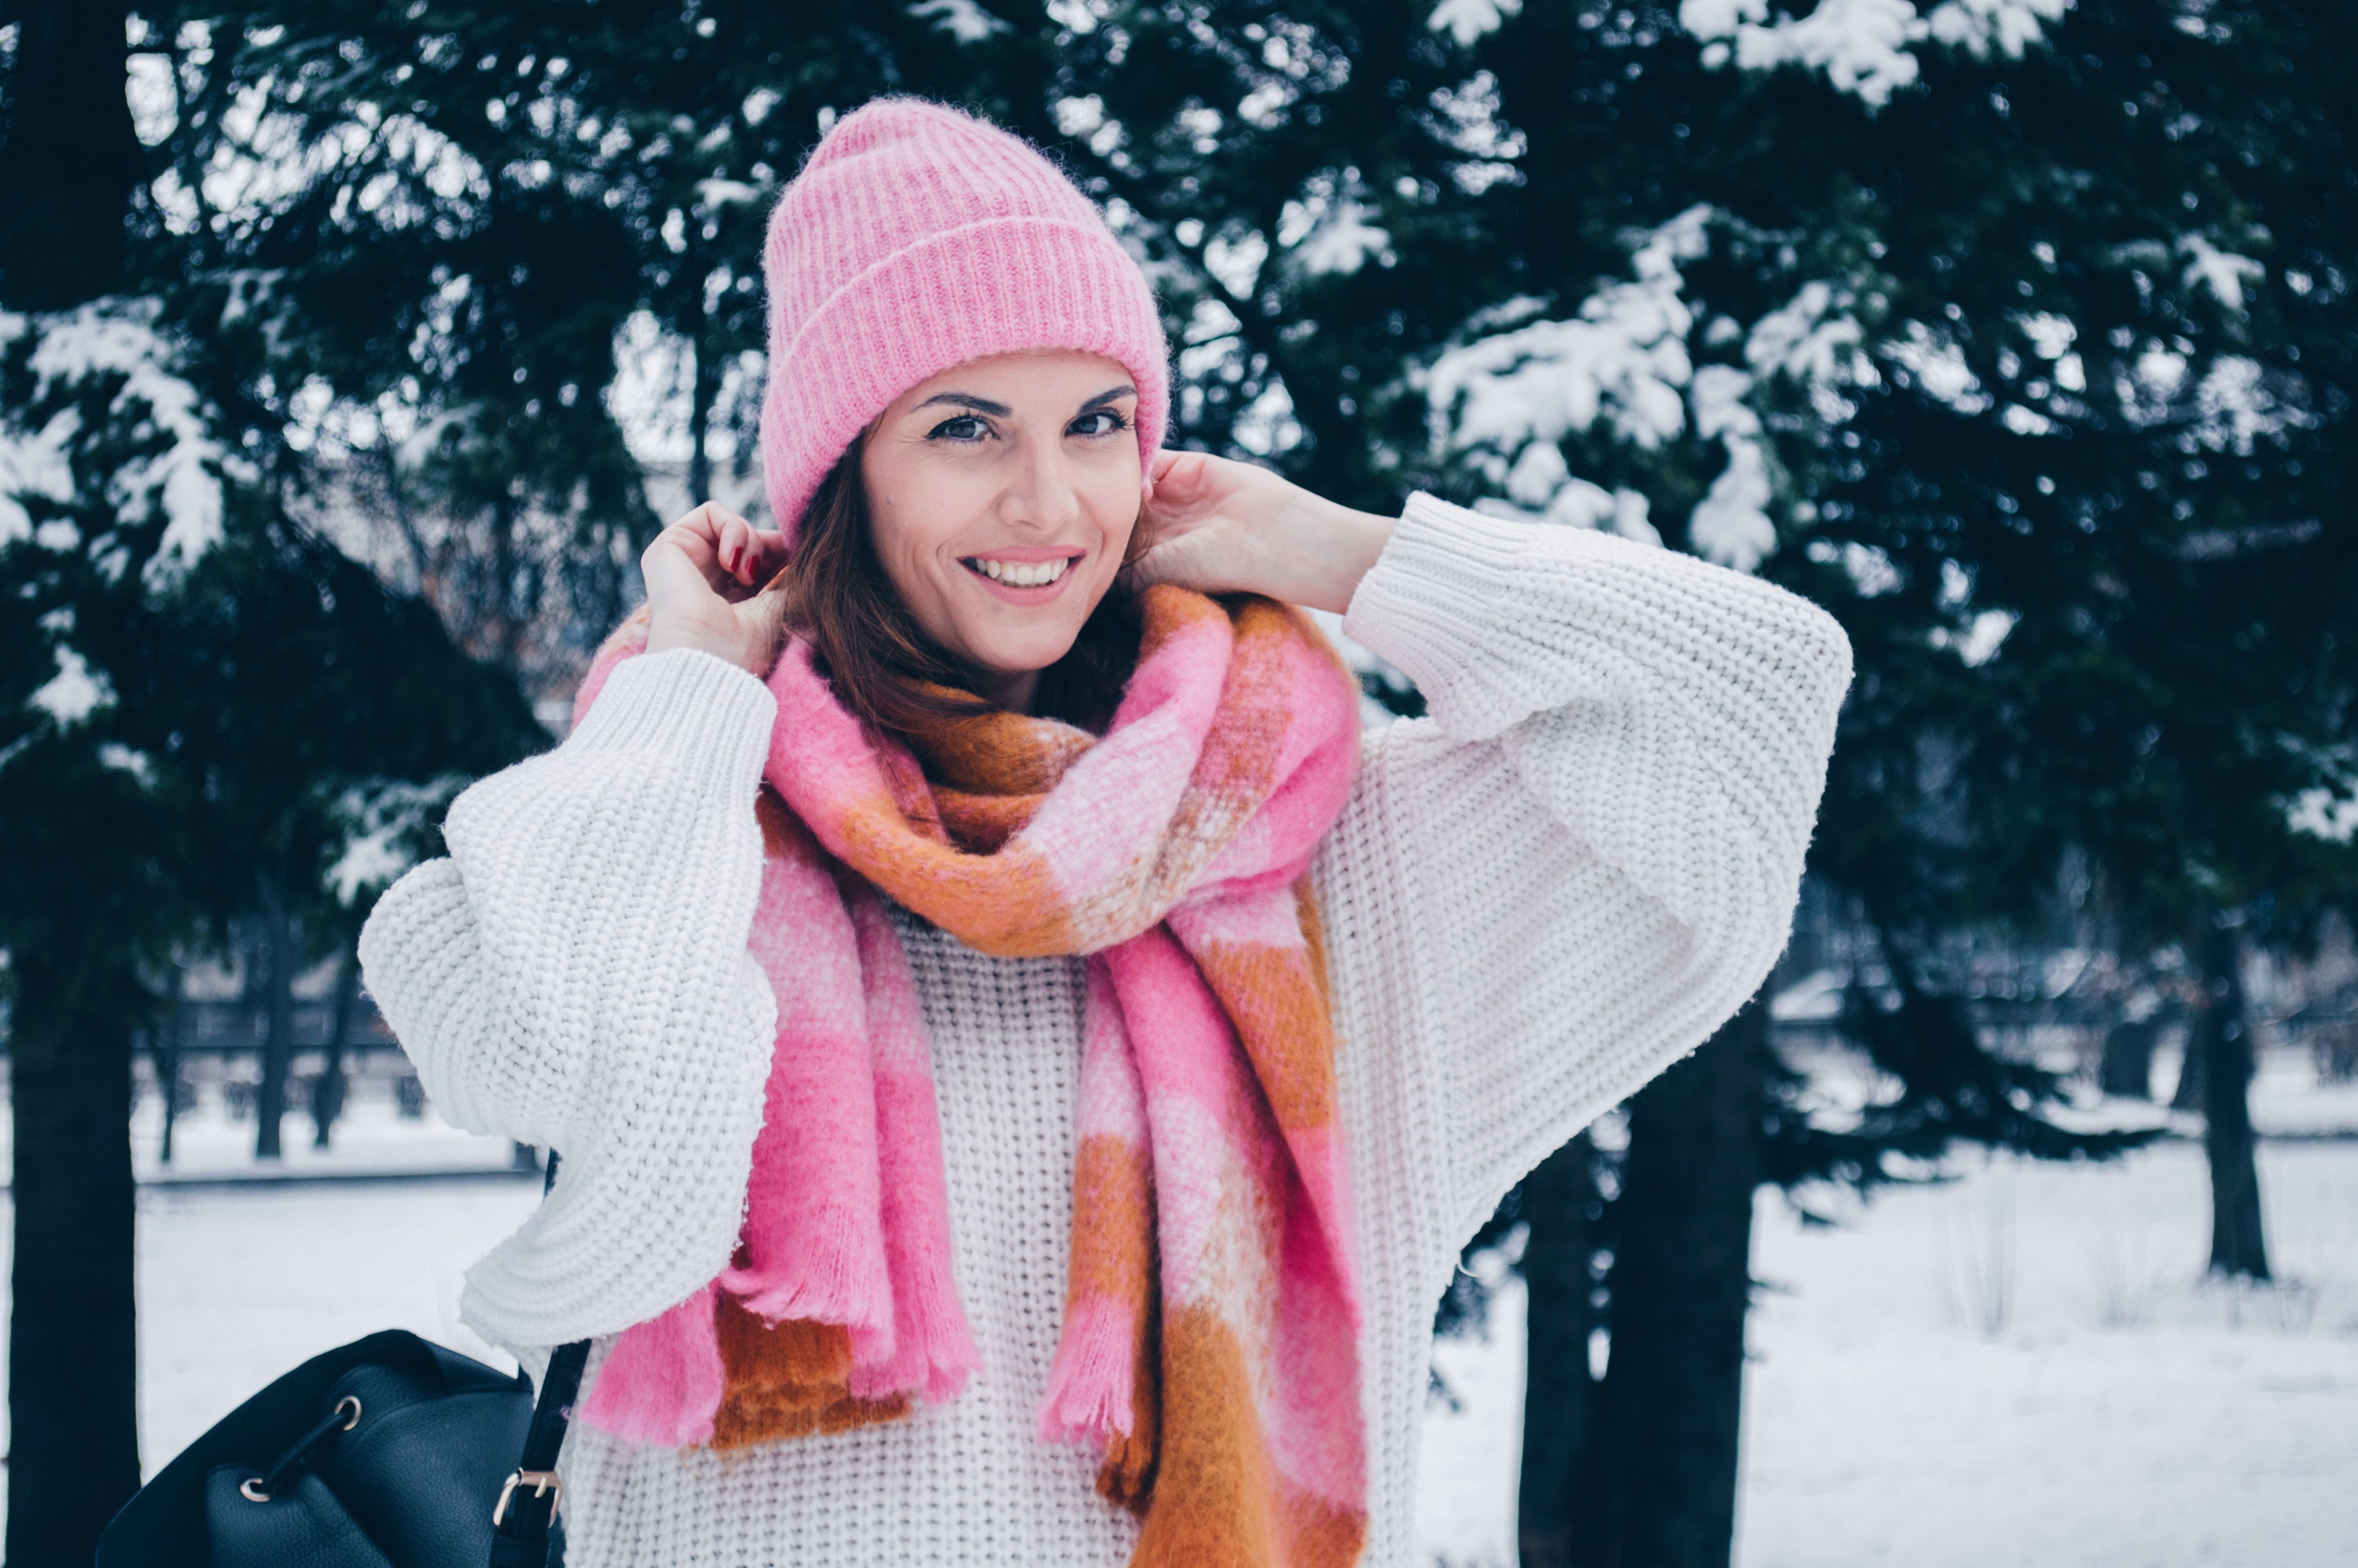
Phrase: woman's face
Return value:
(1001, 495)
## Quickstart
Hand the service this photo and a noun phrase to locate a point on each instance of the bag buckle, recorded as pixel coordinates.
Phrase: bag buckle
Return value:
(544, 1483)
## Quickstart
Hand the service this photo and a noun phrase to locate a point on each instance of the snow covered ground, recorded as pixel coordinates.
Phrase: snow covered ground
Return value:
(2019, 1367)
(2020, 1370)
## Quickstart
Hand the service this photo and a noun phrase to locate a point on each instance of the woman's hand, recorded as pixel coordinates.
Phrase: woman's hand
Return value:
(711, 584)
(1220, 526)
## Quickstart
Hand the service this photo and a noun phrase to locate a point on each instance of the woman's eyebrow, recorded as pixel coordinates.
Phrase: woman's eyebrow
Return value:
(968, 400)
(1112, 394)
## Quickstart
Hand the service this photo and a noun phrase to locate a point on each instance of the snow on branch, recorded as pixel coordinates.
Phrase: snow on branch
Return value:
(1327, 229)
(1502, 401)
(180, 481)
(1466, 20)
(1866, 48)
(964, 20)
(1624, 358)
(384, 823)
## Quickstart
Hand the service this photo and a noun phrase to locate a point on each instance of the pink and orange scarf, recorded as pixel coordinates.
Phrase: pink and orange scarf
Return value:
(1209, 1350)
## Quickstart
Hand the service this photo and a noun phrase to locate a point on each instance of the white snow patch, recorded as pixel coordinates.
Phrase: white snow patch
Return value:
(1327, 229)
(382, 823)
(1519, 386)
(1861, 44)
(38, 464)
(1466, 20)
(1864, 47)
(2236, 406)
(1624, 358)
(2223, 272)
(715, 194)
(1731, 524)
(128, 760)
(1811, 338)
(2010, 27)
(1933, 360)
(964, 20)
(1981, 639)
(75, 692)
(2324, 813)
(1870, 569)
(119, 337)
(1234, 256)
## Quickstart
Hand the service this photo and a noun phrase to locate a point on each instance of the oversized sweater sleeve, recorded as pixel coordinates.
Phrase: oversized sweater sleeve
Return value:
(1585, 857)
(576, 975)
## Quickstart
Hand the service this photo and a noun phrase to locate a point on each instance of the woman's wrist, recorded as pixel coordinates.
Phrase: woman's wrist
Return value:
(1319, 550)
(727, 644)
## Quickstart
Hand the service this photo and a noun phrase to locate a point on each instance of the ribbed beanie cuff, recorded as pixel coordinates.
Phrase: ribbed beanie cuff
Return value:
(918, 238)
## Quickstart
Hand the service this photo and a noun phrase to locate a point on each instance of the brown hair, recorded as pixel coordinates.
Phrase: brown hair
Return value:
(882, 665)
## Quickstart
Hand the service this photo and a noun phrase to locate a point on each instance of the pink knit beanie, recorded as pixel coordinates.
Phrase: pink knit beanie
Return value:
(918, 238)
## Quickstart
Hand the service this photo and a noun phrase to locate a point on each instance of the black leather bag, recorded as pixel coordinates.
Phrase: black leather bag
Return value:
(390, 1452)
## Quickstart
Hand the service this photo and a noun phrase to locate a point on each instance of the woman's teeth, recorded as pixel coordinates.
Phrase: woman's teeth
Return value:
(1021, 574)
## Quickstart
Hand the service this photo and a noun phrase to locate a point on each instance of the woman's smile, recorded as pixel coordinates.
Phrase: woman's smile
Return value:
(1029, 575)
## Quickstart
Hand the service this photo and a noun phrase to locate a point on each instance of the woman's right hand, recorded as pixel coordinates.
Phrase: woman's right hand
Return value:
(713, 584)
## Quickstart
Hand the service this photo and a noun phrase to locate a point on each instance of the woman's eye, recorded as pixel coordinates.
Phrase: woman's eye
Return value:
(1100, 422)
(964, 427)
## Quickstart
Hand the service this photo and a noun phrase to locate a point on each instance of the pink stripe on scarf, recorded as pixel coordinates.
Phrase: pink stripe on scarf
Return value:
(933, 1350)
(660, 1381)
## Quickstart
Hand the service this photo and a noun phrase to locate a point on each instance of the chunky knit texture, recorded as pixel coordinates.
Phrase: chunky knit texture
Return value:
(918, 238)
(1210, 1343)
(1580, 863)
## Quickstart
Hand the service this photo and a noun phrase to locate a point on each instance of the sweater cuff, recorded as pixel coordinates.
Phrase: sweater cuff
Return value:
(1450, 599)
(683, 703)
(1423, 603)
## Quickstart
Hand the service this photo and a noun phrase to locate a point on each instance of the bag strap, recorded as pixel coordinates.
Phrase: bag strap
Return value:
(520, 1526)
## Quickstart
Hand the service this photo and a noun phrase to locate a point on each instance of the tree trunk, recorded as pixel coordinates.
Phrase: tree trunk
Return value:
(166, 1063)
(1561, 1400)
(2127, 1066)
(278, 959)
(1681, 1284)
(68, 171)
(508, 628)
(71, 160)
(328, 1093)
(2221, 1039)
(2188, 1095)
(704, 391)
(72, 1392)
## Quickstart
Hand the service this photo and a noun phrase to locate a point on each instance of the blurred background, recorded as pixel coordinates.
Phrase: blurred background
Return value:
(350, 354)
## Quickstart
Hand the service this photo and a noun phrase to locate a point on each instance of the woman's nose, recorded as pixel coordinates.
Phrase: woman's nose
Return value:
(1043, 491)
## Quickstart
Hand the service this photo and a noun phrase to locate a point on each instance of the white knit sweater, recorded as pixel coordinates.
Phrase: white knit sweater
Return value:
(1566, 876)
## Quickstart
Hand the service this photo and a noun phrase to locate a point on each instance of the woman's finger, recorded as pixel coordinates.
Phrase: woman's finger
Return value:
(736, 535)
(766, 552)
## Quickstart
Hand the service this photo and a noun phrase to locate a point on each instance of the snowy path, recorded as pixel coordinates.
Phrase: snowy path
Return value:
(2118, 1418)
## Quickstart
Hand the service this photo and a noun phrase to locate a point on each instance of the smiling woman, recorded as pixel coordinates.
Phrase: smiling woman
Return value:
(1025, 1066)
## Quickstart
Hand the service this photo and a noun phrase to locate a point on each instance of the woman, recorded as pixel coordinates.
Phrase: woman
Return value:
(1025, 1068)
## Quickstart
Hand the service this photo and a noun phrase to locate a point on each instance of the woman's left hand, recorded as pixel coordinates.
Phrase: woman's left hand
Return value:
(1221, 527)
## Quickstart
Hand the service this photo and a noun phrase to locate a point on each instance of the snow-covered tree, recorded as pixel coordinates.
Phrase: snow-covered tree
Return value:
(2013, 334)
(187, 678)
